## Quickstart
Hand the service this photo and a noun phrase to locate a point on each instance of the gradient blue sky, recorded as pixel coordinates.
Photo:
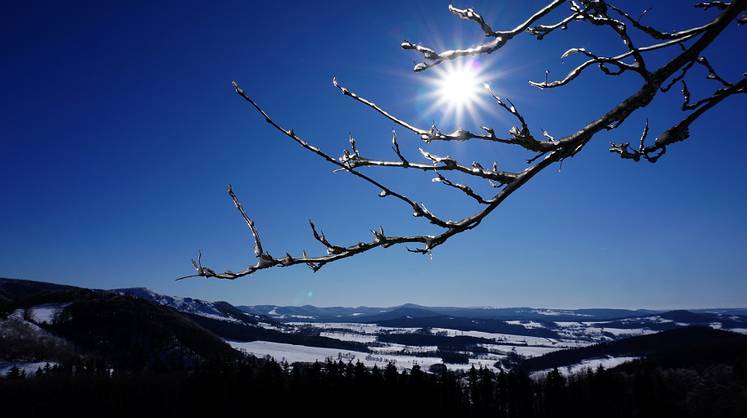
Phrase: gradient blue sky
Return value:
(120, 131)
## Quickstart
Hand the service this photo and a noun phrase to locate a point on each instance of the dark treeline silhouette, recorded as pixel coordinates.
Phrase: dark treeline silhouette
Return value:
(250, 387)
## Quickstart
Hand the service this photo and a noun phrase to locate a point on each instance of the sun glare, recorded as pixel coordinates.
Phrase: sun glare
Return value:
(459, 86)
(457, 91)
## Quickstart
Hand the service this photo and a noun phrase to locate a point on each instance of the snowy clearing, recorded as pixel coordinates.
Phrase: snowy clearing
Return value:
(356, 327)
(396, 348)
(514, 339)
(628, 331)
(524, 351)
(45, 314)
(300, 353)
(607, 362)
(349, 336)
(526, 324)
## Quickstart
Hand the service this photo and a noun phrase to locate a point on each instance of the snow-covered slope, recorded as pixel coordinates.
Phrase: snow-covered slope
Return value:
(607, 362)
(216, 310)
(24, 342)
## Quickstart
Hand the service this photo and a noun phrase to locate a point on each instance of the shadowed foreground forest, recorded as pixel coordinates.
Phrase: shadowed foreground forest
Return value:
(251, 386)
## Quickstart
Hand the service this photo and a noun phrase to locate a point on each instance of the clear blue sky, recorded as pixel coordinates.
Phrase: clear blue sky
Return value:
(119, 132)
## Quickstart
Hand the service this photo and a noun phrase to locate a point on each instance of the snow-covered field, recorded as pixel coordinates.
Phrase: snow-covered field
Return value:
(597, 330)
(398, 348)
(299, 353)
(269, 326)
(607, 362)
(526, 324)
(45, 314)
(383, 353)
(352, 326)
(365, 330)
(349, 336)
(515, 339)
(522, 350)
(628, 332)
(577, 332)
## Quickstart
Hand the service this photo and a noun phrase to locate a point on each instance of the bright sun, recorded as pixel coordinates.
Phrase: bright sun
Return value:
(459, 86)
(457, 91)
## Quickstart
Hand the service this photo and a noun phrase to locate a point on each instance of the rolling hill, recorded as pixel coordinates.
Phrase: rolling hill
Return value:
(55, 322)
(684, 347)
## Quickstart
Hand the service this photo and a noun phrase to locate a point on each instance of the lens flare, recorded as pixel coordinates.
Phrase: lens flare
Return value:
(457, 91)
(459, 86)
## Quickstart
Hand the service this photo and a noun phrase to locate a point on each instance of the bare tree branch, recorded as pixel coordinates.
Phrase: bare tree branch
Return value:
(655, 33)
(395, 147)
(466, 189)
(688, 43)
(500, 39)
(713, 4)
(540, 31)
(711, 71)
(470, 14)
(385, 191)
(427, 135)
(678, 132)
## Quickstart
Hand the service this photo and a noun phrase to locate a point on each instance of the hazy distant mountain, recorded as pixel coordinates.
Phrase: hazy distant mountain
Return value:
(404, 312)
(311, 313)
(371, 314)
(723, 311)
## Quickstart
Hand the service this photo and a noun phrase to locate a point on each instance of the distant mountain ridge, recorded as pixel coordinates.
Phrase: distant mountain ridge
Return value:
(364, 314)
